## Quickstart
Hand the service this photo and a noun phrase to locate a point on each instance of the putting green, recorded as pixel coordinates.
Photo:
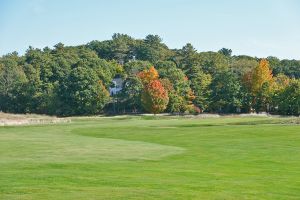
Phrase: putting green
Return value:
(60, 148)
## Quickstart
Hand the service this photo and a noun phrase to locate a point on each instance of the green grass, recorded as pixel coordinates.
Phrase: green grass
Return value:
(152, 158)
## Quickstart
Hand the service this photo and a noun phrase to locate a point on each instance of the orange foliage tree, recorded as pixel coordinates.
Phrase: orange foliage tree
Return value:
(154, 96)
(148, 75)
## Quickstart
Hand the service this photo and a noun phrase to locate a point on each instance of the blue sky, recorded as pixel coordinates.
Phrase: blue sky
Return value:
(254, 27)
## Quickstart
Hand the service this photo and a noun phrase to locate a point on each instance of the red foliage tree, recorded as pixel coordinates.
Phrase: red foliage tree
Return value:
(154, 96)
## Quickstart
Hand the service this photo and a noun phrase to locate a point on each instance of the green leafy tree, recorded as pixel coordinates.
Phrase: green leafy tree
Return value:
(83, 93)
(186, 57)
(226, 52)
(41, 81)
(212, 62)
(179, 95)
(134, 67)
(12, 79)
(291, 68)
(131, 94)
(152, 49)
(241, 65)
(289, 99)
(176, 76)
(200, 84)
(275, 65)
(226, 93)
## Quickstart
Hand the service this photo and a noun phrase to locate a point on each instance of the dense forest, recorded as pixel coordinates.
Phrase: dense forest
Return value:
(75, 80)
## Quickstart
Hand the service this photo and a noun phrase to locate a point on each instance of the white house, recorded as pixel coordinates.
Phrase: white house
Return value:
(116, 86)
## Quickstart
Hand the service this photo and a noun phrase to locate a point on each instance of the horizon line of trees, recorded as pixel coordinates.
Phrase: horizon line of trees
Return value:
(75, 80)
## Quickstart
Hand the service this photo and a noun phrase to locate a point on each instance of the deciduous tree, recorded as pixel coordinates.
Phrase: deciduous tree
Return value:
(154, 96)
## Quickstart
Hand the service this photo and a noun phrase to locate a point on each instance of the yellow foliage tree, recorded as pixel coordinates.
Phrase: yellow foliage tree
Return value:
(261, 74)
(261, 85)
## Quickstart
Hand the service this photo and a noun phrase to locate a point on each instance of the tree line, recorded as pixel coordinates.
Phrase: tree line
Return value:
(75, 80)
